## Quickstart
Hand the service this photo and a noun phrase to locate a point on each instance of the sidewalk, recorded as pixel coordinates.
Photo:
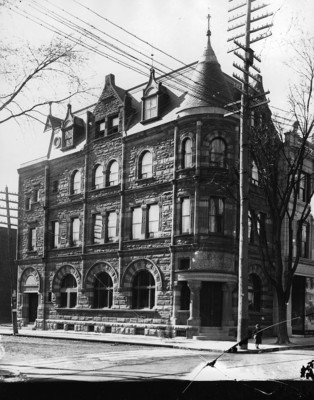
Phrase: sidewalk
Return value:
(268, 345)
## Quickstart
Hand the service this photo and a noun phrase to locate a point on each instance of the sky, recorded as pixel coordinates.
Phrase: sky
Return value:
(177, 27)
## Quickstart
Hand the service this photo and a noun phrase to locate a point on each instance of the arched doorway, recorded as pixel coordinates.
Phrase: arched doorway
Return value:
(29, 298)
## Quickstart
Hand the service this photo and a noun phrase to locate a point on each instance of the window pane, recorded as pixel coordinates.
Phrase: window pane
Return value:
(150, 107)
(73, 296)
(153, 220)
(187, 152)
(97, 228)
(112, 225)
(144, 290)
(75, 231)
(146, 171)
(77, 182)
(114, 174)
(186, 218)
(98, 177)
(33, 239)
(56, 234)
(137, 223)
(217, 153)
(216, 215)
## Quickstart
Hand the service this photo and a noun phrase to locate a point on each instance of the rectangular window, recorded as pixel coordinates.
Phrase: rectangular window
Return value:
(35, 196)
(216, 215)
(100, 128)
(153, 220)
(113, 125)
(55, 185)
(112, 226)
(185, 215)
(97, 228)
(55, 234)
(150, 107)
(304, 187)
(68, 138)
(137, 223)
(75, 231)
(32, 239)
(305, 241)
(28, 203)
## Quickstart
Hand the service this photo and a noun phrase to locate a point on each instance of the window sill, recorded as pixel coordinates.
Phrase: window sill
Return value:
(31, 252)
(145, 180)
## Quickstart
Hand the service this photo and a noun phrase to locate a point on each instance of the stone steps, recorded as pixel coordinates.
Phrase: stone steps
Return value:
(213, 333)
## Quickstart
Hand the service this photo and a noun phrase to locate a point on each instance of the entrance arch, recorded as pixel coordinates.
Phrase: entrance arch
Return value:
(29, 289)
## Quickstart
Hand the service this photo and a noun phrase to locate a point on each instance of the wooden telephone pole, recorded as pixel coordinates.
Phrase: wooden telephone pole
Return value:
(9, 207)
(248, 93)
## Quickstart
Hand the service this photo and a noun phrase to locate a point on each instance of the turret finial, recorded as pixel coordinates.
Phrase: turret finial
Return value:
(208, 25)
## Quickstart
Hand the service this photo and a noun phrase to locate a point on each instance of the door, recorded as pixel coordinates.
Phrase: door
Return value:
(211, 304)
(32, 306)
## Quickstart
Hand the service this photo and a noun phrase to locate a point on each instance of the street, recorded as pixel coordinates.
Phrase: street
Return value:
(49, 359)
(53, 366)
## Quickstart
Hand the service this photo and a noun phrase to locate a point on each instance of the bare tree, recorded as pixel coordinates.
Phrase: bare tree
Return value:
(284, 163)
(34, 77)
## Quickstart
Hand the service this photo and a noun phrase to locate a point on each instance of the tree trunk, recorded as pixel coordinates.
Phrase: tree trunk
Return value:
(283, 337)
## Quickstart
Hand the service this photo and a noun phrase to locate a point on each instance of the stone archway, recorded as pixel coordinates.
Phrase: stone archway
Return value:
(130, 273)
(95, 270)
(30, 287)
(57, 278)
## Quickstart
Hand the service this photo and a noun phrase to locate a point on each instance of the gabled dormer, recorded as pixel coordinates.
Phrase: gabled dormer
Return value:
(154, 97)
(109, 111)
(72, 131)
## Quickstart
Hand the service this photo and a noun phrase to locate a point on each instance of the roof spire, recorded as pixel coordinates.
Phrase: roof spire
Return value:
(208, 25)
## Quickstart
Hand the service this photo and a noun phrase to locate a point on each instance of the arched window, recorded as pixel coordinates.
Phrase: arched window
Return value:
(76, 182)
(254, 293)
(254, 173)
(146, 165)
(113, 174)
(185, 296)
(103, 290)
(68, 291)
(98, 178)
(143, 293)
(187, 153)
(218, 153)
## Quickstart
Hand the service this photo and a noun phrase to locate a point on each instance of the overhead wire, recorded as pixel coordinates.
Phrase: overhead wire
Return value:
(184, 84)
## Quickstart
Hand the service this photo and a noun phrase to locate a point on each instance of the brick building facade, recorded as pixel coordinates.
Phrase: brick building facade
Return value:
(130, 224)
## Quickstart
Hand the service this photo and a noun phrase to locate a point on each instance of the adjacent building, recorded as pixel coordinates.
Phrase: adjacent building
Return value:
(130, 223)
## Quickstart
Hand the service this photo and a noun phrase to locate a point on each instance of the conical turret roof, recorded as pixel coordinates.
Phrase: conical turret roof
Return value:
(208, 86)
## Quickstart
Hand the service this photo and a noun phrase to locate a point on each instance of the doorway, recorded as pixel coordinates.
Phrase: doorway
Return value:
(32, 306)
(211, 304)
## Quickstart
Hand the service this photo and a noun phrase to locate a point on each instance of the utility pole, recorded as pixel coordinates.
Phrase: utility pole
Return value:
(248, 93)
(9, 207)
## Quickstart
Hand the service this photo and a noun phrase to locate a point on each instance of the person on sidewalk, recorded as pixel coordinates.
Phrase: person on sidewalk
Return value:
(257, 335)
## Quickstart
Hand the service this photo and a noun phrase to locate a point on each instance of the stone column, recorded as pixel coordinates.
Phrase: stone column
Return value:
(227, 289)
(176, 302)
(195, 287)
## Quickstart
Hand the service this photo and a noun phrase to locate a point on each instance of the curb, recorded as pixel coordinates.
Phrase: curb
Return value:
(157, 344)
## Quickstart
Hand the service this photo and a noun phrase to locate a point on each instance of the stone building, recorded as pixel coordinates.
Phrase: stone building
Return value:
(130, 223)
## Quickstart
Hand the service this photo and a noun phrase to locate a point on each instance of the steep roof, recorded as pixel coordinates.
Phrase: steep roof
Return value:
(208, 86)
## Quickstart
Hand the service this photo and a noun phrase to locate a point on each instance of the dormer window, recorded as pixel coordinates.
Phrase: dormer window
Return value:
(150, 107)
(68, 138)
(152, 98)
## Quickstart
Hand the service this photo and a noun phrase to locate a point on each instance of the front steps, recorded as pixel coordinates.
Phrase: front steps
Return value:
(213, 333)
